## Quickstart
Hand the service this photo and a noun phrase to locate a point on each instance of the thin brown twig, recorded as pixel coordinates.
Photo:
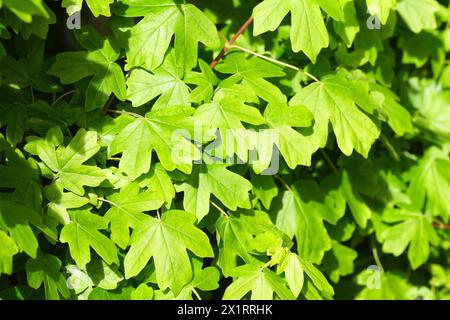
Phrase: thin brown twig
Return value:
(108, 104)
(283, 182)
(230, 43)
(440, 225)
(63, 96)
(328, 160)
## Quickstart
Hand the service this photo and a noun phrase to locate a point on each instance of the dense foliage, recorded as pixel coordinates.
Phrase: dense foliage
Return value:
(310, 160)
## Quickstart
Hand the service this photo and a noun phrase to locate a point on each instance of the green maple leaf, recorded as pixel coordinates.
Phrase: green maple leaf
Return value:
(339, 261)
(414, 229)
(251, 73)
(206, 279)
(302, 276)
(123, 293)
(431, 48)
(98, 62)
(381, 8)
(26, 9)
(83, 232)
(60, 201)
(418, 15)
(237, 234)
(383, 285)
(151, 37)
(293, 271)
(227, 112)
(301, 215)
(264, 189)
(204, 81)
(308, 31)
(22, 176)
(399, 119)
(333, 8)
(142, 292)
(14, 115)
(157, 180)
(316, 277)
(430, 183)
(161, 130)
(96, 274)
(30, 21)
(9, 249)
(166, 240)
(67, 162)
(349, 28)
(336, 99)
(165, 82)
(441, 276)
(98, 7)
(230, 188)
(17, 220)
(261, 282)
(340, 193)
(127, 209)
(431, 104)
(46, 269)
(295, 147)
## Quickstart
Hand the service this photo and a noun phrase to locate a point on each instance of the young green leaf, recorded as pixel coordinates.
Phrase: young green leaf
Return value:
(166, 241)
(414, 229)
(83, 232)
(165, 82)
(127, 209)
(302, 215)
(150, 38)
(430, 183)
(308, 31)
(67, 162)
(230, 188)
(161, 130)
(335, 100)
(418, 15)
(251, 73)
(100, 63)
(262, 283)
(6, 254)
(98, 7)
(46, 269)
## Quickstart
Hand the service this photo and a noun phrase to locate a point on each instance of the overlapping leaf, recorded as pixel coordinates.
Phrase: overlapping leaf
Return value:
(166, 241)
(82, 233)
(339, 100)
(67, 162)
(98, 62)
(161, 130)
(150, 38)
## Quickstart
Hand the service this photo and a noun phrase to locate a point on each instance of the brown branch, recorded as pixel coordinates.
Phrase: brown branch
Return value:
(283, 182)
(105, 109)
(440, 225)
(230, 43)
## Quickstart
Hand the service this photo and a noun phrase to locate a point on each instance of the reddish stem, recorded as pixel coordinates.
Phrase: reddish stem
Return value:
(230, 43)
(441, 225)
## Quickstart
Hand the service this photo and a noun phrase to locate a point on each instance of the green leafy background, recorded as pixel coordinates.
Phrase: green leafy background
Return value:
(93, 205)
